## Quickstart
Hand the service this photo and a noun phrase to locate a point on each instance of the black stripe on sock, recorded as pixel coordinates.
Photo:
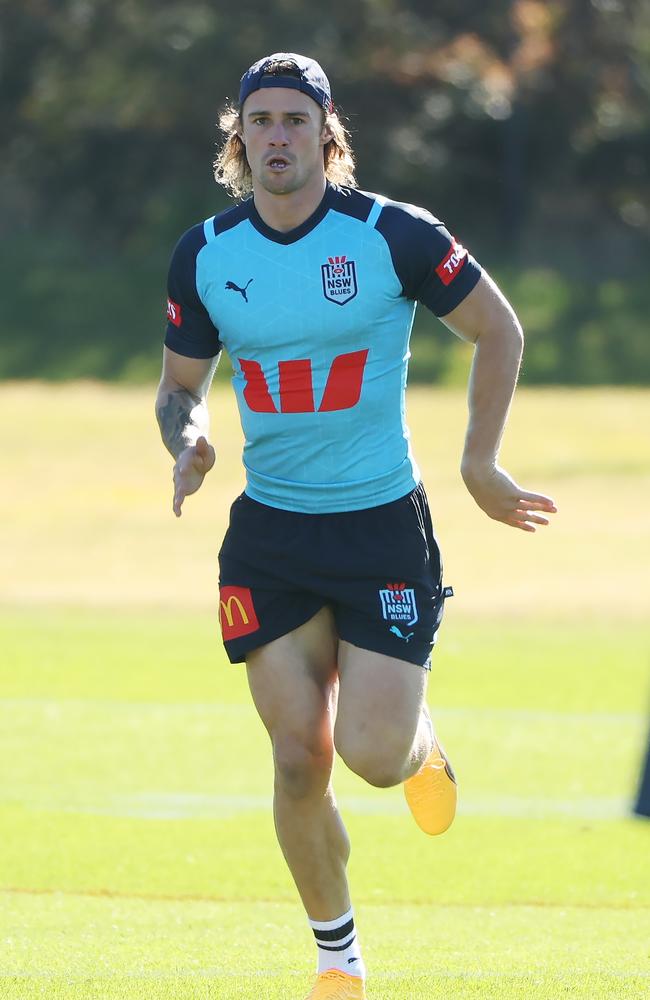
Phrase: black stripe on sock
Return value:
(336, 934)
(340, 947)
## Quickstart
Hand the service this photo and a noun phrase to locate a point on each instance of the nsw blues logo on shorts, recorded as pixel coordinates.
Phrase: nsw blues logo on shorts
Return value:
(339, 279)
(398, 604)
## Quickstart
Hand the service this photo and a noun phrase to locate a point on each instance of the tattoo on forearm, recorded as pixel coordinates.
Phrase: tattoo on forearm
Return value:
(177, 419)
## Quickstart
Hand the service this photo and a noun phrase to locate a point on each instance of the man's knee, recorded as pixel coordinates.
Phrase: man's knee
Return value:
(382, 763)
(302, 767)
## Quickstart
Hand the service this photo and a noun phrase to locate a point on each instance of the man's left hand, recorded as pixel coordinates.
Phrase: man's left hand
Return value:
(503, 500)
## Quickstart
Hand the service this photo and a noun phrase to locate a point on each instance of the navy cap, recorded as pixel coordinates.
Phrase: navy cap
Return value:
(311, 79)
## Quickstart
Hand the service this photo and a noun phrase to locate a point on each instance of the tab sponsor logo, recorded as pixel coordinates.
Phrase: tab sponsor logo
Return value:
(174, 313)
(450, 265)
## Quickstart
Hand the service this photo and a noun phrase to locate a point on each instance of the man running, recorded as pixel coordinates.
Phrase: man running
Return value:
(331, 584)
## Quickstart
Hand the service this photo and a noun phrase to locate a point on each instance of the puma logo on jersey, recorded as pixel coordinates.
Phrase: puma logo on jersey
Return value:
(232, 287)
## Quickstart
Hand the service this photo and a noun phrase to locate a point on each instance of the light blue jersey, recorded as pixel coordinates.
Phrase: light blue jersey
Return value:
(316, 323)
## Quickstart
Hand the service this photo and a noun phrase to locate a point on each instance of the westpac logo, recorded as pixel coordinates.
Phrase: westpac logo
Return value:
(398, 604)
(339, 279)
(342, 389)
(236, 612)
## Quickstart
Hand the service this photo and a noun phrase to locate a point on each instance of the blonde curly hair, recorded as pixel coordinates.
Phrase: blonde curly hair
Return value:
(231, 167)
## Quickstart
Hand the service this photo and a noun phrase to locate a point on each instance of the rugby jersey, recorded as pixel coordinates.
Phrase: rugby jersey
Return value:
(316, 323)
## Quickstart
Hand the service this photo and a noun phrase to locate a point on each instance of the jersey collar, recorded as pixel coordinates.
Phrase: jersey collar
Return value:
(293, 235)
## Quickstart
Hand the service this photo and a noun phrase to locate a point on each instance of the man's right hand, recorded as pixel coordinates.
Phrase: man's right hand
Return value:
(191, 466)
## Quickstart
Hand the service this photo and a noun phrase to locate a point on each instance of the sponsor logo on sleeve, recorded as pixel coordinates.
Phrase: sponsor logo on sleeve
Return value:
(174, 313)
(236, 612)
(452, 263)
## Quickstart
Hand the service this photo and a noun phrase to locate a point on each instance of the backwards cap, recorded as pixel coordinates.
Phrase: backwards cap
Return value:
(309, 78)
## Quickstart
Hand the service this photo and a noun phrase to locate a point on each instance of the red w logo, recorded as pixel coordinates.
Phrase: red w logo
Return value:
(342, 390)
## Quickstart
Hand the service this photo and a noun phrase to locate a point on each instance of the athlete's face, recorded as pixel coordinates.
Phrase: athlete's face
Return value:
(284, 137)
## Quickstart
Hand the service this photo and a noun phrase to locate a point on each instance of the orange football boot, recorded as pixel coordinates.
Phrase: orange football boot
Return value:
(432, 792)
(336, 985)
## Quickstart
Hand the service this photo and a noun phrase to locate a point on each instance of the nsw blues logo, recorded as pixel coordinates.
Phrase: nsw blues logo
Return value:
(339, 279)
(398, 605)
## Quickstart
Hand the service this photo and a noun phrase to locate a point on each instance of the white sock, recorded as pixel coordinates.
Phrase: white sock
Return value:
(338, 945)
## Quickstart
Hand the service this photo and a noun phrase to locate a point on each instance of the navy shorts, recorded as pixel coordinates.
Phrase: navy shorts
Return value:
(378, 570)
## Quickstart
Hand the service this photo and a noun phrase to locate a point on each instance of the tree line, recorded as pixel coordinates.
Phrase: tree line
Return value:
(523, 124)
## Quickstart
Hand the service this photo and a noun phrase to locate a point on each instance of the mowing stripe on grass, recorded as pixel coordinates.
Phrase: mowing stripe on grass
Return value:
(243, 900)
(107, 975)
(181, 805)
(219, 708)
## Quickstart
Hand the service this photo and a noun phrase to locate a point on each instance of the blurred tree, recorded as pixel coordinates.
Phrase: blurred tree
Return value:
(524, 124)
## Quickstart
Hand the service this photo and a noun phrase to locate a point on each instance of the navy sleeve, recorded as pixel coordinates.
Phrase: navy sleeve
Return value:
(190, 331)
(432, 267)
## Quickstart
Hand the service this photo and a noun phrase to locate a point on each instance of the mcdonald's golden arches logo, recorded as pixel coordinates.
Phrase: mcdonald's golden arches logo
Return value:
(236, 612)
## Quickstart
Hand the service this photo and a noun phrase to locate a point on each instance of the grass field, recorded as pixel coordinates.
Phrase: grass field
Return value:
(137, 853)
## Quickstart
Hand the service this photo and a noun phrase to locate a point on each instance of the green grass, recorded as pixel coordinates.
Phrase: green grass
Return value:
(120, 948)
(137, 854)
